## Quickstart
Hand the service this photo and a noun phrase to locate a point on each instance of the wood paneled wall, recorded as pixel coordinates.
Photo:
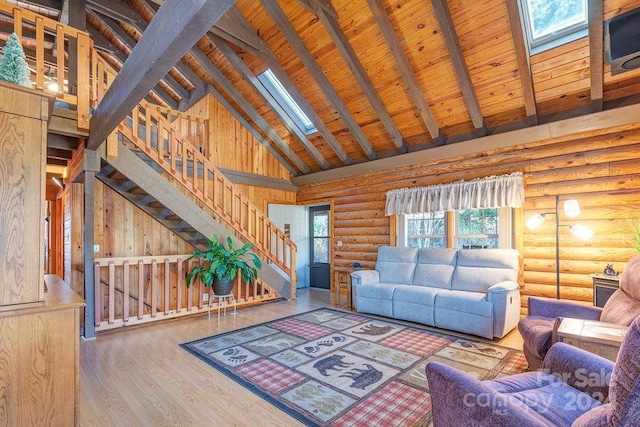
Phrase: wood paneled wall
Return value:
(122, 229)
(231, 146)
(601, 171)
(73, 202)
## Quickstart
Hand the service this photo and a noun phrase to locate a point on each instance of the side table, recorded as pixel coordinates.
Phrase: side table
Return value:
(603, 287)
(603, 339)
(342, 280)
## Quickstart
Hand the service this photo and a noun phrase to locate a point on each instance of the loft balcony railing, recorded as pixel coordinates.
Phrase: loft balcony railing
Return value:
(60, 56)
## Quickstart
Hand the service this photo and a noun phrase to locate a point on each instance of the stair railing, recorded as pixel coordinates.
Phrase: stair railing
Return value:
(134, 290)
(32, 30)
(150, 129)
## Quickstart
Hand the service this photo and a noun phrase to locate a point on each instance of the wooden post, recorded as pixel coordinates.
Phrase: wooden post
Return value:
(91, 166)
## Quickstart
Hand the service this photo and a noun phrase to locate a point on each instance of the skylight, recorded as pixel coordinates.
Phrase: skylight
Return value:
(275, 88)
(550, 23)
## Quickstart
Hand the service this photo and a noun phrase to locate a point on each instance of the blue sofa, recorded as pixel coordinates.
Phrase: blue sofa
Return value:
(474, 291)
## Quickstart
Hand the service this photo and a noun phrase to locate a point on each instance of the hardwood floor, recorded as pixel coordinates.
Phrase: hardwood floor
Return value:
(140, 377)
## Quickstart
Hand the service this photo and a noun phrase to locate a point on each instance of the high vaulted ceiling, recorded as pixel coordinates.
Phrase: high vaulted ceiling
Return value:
(377, 78)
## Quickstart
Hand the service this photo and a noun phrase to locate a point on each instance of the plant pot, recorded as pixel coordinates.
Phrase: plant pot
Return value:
(222, 286)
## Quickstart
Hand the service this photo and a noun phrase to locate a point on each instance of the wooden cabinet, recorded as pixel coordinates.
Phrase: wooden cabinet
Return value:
(603, 287)
(39, 360)
(39, 331)
(23, 136)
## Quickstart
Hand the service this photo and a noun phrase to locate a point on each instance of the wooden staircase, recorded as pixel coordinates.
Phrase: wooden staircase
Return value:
(132, 176)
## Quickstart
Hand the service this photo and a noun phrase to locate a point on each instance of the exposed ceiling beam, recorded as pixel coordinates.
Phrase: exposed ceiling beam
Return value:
(234, 93)
(199, 86)
(130, 44)
(176, 27)
(55, 153)
(114, 9)
(596, 53)
(56, 162)
(61, 142)
(244, 70)
(328, 16)
(522, 58)
(269, 57)
(318, 75)
(244, 36)
(239, 177)
(448, 31)
(100, 42)
(235, 113)
(409, 78)
(591, 122)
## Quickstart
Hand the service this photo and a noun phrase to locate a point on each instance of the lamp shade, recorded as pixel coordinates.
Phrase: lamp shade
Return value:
(534, 222)
(571, 208)
(581, 232)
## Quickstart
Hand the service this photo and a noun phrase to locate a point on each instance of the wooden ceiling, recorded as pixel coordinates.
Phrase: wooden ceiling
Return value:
(377, 77)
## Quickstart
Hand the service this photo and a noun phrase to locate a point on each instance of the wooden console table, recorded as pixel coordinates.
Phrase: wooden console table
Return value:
(596, 337)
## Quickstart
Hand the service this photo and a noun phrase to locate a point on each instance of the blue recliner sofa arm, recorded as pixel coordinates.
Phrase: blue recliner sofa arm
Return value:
(361, 277)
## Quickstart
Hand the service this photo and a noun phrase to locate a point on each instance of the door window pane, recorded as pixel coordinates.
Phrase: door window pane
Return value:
(321, 236)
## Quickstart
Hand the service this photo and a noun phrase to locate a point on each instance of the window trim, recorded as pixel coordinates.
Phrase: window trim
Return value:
(286, 101)
(556, 38)
(506, 238)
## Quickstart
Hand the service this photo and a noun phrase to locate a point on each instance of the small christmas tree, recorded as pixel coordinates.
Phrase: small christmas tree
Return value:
(13, 67)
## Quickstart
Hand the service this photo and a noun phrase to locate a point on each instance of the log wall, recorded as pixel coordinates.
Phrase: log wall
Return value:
(601, 171)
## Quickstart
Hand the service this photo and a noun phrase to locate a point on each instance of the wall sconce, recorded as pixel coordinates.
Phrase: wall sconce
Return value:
(571, 209)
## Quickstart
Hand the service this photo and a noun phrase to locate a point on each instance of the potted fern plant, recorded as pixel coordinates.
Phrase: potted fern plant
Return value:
(220, 264)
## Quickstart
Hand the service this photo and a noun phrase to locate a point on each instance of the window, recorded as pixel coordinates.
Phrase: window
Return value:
(477, 228)
(426, 230)
(550, 23)
(471, 229)
(278, 91)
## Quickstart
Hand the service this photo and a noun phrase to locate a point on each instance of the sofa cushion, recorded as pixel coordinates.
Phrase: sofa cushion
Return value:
(555, 400)
(416, 294)
(464, 311)
(478, 269)
(415, 303)
(378, 290)
(396, 264)
(435, 267)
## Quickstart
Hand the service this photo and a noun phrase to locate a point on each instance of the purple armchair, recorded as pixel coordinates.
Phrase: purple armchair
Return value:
(539, 328)
(569, 391)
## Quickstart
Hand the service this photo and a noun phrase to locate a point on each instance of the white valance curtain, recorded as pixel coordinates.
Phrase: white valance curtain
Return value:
(490, 192)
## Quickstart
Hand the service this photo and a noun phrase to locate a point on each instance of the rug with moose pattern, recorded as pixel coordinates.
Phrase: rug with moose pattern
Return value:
(334, 368)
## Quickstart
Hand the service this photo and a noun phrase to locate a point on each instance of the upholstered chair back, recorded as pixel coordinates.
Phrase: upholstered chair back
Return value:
(624, 305)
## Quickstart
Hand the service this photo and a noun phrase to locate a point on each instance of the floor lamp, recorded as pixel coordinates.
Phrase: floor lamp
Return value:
(571, 209)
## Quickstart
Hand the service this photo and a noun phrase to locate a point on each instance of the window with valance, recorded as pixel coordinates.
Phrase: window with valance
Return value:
(465, 214)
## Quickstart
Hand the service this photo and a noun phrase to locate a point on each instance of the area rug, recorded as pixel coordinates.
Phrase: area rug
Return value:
(333, 368)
